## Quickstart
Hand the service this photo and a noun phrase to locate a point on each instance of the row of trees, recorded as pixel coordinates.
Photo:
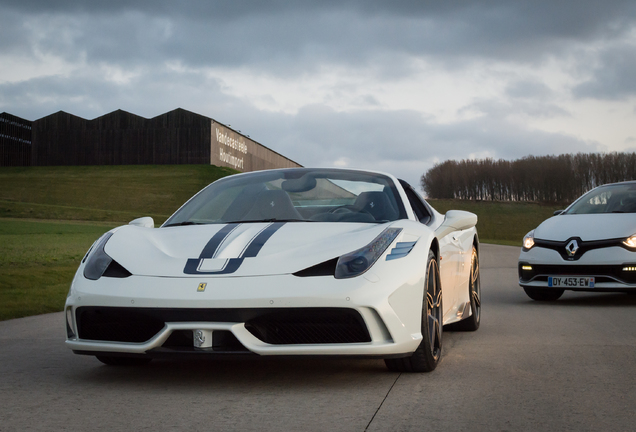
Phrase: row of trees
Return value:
(560, 178)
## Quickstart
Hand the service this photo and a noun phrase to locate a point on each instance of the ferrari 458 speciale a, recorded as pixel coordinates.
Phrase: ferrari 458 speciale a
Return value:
(290, 262)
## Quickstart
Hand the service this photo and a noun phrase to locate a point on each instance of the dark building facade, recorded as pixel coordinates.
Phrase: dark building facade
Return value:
(122, 138)
(15, 140)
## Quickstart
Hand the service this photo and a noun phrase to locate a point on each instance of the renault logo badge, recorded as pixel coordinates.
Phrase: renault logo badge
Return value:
(202, 286)
(572, 247)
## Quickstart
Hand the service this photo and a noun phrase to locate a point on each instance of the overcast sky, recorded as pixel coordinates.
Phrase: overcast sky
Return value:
(389, 85)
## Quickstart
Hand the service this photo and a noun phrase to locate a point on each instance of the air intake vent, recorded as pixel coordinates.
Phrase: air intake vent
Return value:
(310, 326)
(400, 250)
(116, 324)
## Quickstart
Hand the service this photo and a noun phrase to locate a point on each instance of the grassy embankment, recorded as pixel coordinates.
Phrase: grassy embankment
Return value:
(501, 222)
(49, 217)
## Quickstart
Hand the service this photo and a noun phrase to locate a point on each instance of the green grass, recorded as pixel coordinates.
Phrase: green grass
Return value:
(501, 222)
(101, 193)
(37, 263)
(39, 258)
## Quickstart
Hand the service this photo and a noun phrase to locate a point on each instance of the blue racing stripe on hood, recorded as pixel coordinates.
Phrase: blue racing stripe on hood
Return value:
(259, 241)
(233, 264)
(214, 243)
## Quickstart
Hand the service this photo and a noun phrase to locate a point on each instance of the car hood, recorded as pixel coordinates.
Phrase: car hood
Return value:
(588, 227)
(233, 250)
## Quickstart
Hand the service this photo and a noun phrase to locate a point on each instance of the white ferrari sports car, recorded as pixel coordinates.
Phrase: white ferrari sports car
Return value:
(590, 246)
(293, 262)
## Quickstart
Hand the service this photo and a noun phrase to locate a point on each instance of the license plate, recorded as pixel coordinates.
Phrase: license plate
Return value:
(571, 281)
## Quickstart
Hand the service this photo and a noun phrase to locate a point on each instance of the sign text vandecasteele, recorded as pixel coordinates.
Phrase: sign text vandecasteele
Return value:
(231, 143)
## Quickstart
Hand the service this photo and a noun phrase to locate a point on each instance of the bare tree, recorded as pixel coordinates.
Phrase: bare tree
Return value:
(561, 178)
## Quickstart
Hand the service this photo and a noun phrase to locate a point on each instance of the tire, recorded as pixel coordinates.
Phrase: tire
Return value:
(123, 361)
(474, 291)
(428, 354)
(542, 294)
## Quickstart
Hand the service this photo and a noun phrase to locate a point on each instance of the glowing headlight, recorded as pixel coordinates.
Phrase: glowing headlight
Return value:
(630, 242)
(98, 261)
(357, 262)
(528, 240)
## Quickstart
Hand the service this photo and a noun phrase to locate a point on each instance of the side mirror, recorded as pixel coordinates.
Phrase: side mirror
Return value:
(144, 222)
(456, 220)
(558, 212)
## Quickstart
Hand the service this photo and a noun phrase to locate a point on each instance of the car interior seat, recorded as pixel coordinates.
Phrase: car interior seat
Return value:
(377, 204)
(272, 204)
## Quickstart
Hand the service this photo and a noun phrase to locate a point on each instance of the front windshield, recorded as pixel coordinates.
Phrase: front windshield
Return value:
(616, 198)
(306, 195)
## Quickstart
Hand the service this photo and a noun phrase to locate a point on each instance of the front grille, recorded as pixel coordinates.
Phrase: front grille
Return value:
(318, 326)
(603, 273)
(271, 325)
(583, 246)
(116, 324)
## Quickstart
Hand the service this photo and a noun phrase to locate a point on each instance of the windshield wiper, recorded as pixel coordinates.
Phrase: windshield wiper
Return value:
(268, 220)
(184, 224)
(237, 222)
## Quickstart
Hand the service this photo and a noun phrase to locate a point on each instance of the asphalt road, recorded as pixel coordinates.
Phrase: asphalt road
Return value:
(568, 365)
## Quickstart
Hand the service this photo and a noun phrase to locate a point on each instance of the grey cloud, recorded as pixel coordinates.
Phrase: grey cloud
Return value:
(402, 142)
(529, 105)
(614, 78)
(12, 33)
(528, 89)
(297, 36)
(89, 96)
(569, 15)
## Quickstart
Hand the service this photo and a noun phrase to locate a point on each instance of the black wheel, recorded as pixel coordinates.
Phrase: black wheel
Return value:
(123, 361)
(543, 294)
(429, 352)
(474, 291)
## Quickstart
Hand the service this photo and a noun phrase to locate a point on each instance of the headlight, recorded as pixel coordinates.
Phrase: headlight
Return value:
(98, 261)
(528, 240)
(630, 242)
(357, 262)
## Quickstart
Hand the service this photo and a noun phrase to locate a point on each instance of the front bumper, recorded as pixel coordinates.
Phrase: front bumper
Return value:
(613, 268)
(273, 315)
